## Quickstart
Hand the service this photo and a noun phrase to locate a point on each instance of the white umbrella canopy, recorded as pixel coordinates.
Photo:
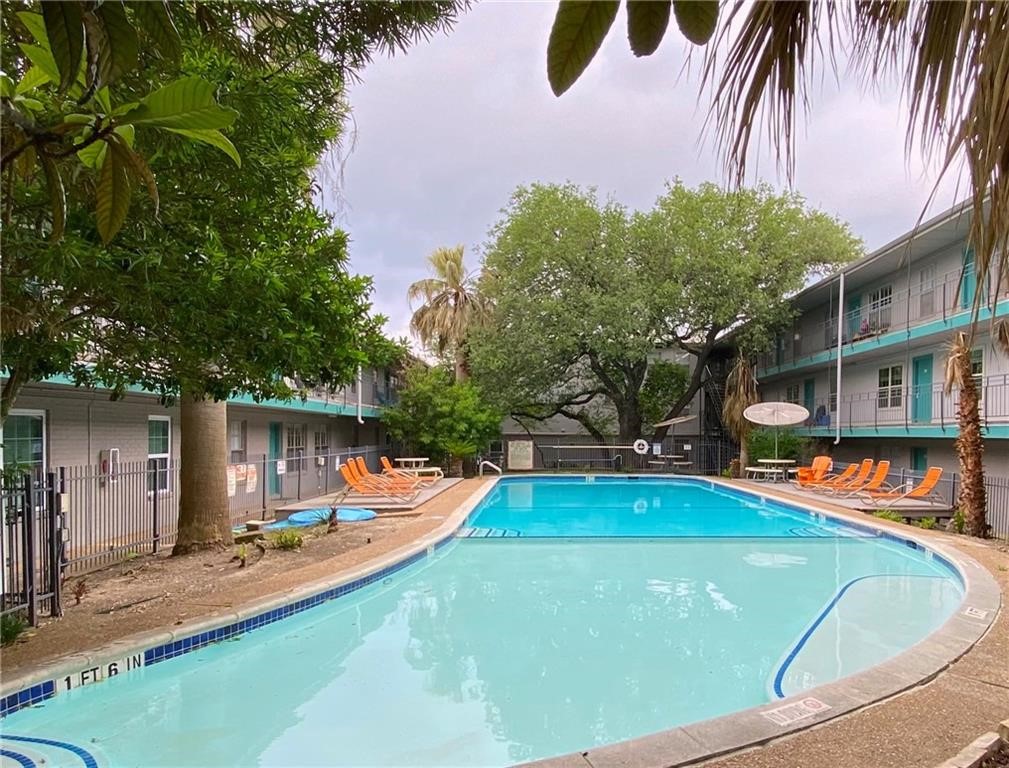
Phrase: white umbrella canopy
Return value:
(776, 414)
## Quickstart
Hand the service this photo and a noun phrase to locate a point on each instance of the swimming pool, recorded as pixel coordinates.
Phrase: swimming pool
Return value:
(571, 612)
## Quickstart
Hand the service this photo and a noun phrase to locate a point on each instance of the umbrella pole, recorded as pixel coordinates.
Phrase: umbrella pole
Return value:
(775, 441)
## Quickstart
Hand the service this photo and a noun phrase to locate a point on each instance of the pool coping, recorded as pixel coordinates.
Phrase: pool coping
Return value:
(677, 746)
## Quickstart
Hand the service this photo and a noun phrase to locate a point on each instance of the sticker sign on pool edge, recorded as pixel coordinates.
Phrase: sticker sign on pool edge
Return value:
(100, 672)
(800, 710)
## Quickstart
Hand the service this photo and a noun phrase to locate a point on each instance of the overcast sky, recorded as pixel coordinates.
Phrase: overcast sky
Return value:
(448, 130)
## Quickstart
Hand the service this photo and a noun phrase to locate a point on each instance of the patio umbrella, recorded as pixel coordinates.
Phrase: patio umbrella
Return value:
(776, 415)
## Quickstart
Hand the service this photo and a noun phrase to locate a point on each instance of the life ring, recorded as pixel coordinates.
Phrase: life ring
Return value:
(640, 507)
(640, 447)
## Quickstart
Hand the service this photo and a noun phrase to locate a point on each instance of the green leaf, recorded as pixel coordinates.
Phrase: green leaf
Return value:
(34, 105)
(124, 48)
(36, 25)
(696, 19)
(213, 137)
(77, 118)
(647, 21)
(64, 27)
(136, 165)
(128, 132)
(156, 22)
(43, 59)
(113, 193)
(578, 31)
(57, 196)
(32, 79)
(187, 103)
(104, 99)
(93, 155)
(7, 87)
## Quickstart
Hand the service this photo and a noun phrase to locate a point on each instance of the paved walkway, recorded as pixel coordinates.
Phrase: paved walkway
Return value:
(378, 503)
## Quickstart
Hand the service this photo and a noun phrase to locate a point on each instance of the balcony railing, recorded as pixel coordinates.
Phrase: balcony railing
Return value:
(908, 407)
(939, 299)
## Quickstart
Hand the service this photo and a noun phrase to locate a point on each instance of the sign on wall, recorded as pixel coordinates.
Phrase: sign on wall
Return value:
(250, 478)
(520, 454)
(231, 480)
(281, 467)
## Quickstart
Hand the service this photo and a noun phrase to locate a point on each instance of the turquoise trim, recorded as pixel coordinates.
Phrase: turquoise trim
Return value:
(311, 406)
(960, 320)
(996, 431)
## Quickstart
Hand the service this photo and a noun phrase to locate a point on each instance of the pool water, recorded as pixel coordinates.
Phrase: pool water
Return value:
(502, 649)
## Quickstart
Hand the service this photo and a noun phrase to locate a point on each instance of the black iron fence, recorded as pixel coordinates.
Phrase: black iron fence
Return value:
(673, 454)
(30, 545)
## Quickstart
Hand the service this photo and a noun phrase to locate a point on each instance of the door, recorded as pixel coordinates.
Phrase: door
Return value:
(853, 317)
(921, 381)
(919, 459)
(276, 433)
(968, 280)
(809, 395)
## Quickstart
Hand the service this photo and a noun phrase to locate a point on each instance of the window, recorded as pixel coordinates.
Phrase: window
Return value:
(977, 370)
(832, 381)
(236, 442)
(879, 309)
(295, 448)
(926, 291)
(891, 381)
(321, 442)
(792, 393)
(159, 453)
(24, 441)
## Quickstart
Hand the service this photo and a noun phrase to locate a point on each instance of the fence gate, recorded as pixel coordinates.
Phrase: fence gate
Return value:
(31, 545)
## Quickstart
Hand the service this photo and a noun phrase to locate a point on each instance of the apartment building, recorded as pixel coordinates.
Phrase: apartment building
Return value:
(896, 311)
(58, 425)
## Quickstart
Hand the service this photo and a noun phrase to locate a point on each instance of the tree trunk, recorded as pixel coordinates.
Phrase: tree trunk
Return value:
(461, 370)
(455, 466)
(204, 520)
(630, 423)
(11, 389)
(970, 447)
(696, 380)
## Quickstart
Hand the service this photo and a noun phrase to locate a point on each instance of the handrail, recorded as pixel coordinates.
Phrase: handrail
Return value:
(490, 464)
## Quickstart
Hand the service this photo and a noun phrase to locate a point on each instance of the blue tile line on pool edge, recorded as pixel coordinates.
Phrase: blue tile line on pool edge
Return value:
(44, 690)
(23, 760)
(86, 757)
(779, 676)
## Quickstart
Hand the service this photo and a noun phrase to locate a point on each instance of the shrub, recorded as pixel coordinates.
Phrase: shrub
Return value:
(11, 627)
(928, 523)
(959, 522)
(287, 539)
(889, 514)
(791, 445)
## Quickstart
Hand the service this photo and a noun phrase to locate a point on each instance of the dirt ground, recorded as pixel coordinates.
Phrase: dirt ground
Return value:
(158, 592)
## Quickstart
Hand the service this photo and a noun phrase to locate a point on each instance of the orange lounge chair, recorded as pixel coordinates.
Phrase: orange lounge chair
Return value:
(845, 476)
(815, 472)
(876, 483)
(404, 483)
(924, 491)
(840, 483)
(364, 487)
(426, 475)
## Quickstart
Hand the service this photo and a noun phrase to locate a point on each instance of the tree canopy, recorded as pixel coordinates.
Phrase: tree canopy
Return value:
(585, 295)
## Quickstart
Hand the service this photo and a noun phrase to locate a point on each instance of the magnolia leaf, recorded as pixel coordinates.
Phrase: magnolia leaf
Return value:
(647, 21)
(64, 27)
(57, 196)
(128, 132)
(36, 25)
(32, 79)
(104, 99)
(24, 164)
(93, 155)
(33, 105)
(99, 57)
(113, 196)
(696, 19)
(121, 37)
(43, 59)
(154, 19)
(187, 104)
(213, 137)
(578, 31)
(136, 165)
(7, 87)
(77, 118)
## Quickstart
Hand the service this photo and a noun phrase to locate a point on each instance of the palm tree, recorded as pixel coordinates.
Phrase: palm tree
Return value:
(969, 445)
(452, 305)
(761, 57)
(740, 393)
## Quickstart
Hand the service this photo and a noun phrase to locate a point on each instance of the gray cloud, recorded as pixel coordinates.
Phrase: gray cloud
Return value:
(448, 130)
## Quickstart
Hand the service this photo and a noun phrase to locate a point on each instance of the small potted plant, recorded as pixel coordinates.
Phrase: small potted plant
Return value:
(458, 451)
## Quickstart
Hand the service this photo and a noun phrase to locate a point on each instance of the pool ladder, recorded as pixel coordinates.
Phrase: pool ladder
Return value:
(490, 464)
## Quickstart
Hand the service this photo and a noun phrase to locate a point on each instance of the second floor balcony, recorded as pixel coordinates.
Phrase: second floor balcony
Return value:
(907, 409)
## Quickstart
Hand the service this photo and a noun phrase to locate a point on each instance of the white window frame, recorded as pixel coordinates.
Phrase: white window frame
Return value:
(979, 376)
(926, 287)
(159, 456)
(792, 393)
(45, 434)
(878, 303)
(243, 435)
(295, 463)
(325, 441)
(886, 395)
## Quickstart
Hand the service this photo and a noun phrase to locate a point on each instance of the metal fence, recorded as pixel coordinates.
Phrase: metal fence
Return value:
(30, 545)
(674, 454)
(948, 487)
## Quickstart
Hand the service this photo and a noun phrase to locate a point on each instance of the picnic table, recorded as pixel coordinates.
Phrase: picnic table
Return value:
(771, 469)
(412, 462)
